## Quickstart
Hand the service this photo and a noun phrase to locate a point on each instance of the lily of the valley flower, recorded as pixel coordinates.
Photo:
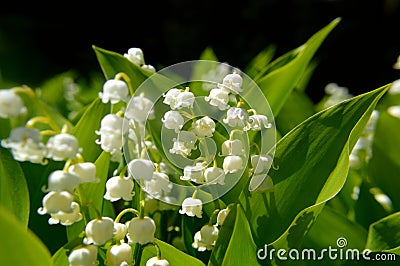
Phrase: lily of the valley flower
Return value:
(192, 207)
(85, 171)
(135, 55)
(114, 91)
(26, 145)
(193, 173)
(158, 184)
(236, 117)
(232, 147)
(232, 164)
(85, 255)
(98, 231)
(120, 231)
(219, 98)
(177, 99)
(149, 68)
(205, 238)
(221, 216)
(203, 127)
(141, 168)
(257, 122)
(62, 146)
(66, 218)
(119, 254)
(232, 83)
(155, 261)
(141, 230)
(261, 163)
(214, 175)
(54, 202)
(60, 180)
(118, 187)
(11, 105)
(184, 143)
(140, 109)
(173, 120)
(111, 132)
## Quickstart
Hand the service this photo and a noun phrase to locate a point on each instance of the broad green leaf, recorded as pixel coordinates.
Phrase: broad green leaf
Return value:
(174, 256)
(331, 228)
(85, 129)
(19, 246)
(384, 234)
(14, 195)
(241, 249)
(297, 108)
(113, 63)
(260, 61)
(285, 72)
(313, 165)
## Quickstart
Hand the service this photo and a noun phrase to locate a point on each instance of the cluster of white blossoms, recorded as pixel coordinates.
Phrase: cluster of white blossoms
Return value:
(192, 132)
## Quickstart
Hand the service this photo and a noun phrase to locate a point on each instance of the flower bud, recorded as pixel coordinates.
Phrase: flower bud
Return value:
(154, 261)
(85, 171)
(232, 164)
(141, 168)
(99, 231)
(119, 187)
(232, 147)
(86, 255)
(135, 55)
(60, 180)
(119, 254)
(11, 104)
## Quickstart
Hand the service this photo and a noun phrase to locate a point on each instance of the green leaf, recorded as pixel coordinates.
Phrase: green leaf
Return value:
(313, 162)
(260, 61)
(14, 195)
(173, 255)
(241, 249)
(18, 245)
(113, 63)
(85, 129)
(384, 234)
(284, 73)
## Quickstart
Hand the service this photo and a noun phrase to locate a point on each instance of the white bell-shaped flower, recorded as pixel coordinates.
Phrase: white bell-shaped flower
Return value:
(140, 109)
(119, 255)
(85, 255)
(203, 127)
(205, 238)
(60, 180)
(141, 230)
(62, 147)
(25, 144)
(114, 91)
(98, 231)
(232, 147)
(11, 104)
(184, 143)
(120, 231)
(214, 175)
(135, 55)
(85, 171)
(184, 99)
(141, 168)
(119, 188)
(257, 122)
(218, 98)
(158, 184)
(173, 120)
(111, 143)
(66, 218)
(221, 216)
(261, 183)
(236, 117)
(194, 173)
(54, 202)
(261, 163)
(149, 68)
(170, 98)
(112, 124)
(154, 261)
(192, 207)
(232, 83)
(394, 87)
(232, 164)
(394, 111)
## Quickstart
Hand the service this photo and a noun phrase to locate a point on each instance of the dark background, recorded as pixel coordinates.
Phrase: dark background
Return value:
(37, 43)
